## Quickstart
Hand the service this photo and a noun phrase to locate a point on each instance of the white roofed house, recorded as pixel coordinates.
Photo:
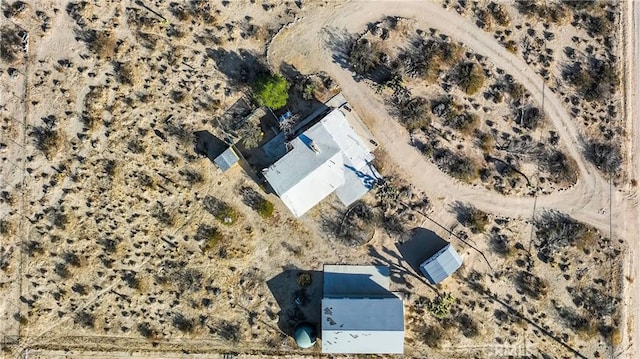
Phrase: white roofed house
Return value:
(328, 157)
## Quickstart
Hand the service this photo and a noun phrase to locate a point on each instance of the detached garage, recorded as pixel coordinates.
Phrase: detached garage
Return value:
(441, 265)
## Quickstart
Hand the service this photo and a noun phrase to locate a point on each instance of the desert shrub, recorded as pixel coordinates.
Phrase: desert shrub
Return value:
(470, 217)
(413, 112)
(529, 117)
(84, 318)
(468, 326)
(440, 306)
(61, 270)
(578, 323)
(182, 323)
(253, 199)
(432, 335)
(59, 218)
(209, 236)
(555, 230)
(188, 279)
(596, 82)
(485, 141)
(500, 243)
(532, 285)
(595, 300)
(605, 156)
(464, 122)
(192, 176)
(11, 43)
(6, 254)
(162, 215)
(220, 209)
(393, 224)
(145, 330)
(47, 139)
(71, 258)
(427, 59)
(470, 77)
(227, 331)
(131, 278)
(17, 8)
(6, 227)
(271, 91)
(560, 167)
(100, 42)
(32, 248)
(500, 14)
(363, 56)
(124, 72)
(251, 134)
(455, 164)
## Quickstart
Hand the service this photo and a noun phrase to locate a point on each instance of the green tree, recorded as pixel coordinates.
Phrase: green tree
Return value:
(271, 91)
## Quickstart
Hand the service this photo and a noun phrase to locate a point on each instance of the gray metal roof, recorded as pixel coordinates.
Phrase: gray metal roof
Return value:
(362, 325)
(226, 159)
(441, 265)
(359, 314)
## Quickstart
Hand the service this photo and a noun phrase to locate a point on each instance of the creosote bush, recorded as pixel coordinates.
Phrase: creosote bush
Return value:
(604, 155)
(221, 210)
(363, 57)
(470, 77)
(471, 217)
(253, 199)
(555, 230)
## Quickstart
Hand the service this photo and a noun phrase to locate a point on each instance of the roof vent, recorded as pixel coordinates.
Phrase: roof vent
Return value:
(314, 147)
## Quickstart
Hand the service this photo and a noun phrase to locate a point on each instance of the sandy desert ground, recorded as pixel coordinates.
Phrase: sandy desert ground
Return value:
(119, 239)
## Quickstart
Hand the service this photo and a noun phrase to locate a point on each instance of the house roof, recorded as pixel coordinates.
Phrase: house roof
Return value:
(359, 314)
(226, 159)
(327, 157)
(441, 265)
(362, 325)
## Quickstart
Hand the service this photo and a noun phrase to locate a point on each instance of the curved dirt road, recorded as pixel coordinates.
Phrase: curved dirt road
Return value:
(309, 44)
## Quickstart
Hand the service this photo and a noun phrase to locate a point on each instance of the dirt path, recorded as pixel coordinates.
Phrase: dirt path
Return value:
(310, 45)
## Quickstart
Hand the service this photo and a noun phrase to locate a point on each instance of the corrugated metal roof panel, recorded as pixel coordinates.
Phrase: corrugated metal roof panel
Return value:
(441, 265)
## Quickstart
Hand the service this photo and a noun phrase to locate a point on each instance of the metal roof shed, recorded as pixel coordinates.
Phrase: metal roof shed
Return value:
(441, 265)
(226, 159)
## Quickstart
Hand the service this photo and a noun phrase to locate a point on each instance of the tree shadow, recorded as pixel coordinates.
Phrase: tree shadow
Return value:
(241, 67)
(297, 304)
(339, 41)
(423, 244)
(206, 144)
(398, 268)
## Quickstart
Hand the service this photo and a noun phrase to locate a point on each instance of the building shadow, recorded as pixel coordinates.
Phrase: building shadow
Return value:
(206, 144)
(422, 244)
(297, 304)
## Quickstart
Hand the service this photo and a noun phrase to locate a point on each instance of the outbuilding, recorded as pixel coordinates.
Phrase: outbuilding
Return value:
(441, 265)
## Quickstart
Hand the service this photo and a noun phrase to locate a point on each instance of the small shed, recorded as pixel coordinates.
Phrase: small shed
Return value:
(226, 159)
(441, 265)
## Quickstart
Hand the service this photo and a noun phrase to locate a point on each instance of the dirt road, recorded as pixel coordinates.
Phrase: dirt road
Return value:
(313, 43)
